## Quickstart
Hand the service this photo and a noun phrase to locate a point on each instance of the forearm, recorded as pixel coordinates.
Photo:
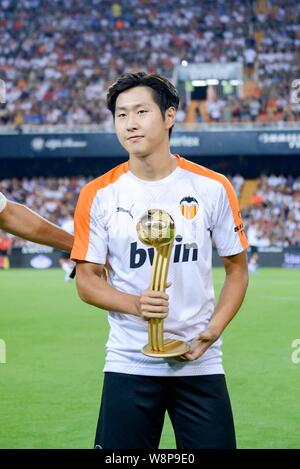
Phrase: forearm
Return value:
(22, 222)
(94, 290)
(230, 300)
(52, 235)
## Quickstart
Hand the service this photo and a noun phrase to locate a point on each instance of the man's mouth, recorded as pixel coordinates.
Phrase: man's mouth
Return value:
(135, 138)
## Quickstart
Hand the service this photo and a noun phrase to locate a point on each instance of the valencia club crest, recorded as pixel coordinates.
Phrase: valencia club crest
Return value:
(189, 207)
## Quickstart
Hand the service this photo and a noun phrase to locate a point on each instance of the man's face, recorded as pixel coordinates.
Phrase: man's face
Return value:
(139, 124)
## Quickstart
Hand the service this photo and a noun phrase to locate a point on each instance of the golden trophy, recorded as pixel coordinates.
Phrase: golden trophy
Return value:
(156, 228)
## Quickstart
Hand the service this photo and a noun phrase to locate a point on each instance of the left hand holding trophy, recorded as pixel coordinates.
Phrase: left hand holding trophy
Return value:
(156, 228)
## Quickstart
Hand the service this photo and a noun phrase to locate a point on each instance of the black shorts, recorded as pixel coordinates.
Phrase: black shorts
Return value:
(133, 409)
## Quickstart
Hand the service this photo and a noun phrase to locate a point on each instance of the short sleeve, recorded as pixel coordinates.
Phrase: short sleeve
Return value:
(228, 231)
(3, 202)
(90, 234)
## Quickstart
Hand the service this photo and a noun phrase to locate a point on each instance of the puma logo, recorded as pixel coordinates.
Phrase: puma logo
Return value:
(121, 209)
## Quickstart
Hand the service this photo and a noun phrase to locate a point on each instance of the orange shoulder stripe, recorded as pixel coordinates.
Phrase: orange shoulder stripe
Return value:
(233, 201)
(83, 209)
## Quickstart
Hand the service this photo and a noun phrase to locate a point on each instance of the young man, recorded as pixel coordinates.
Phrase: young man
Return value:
(23, 222)
(138, 390)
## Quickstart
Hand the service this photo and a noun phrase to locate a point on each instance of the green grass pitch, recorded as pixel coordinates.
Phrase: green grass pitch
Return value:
(51, 382)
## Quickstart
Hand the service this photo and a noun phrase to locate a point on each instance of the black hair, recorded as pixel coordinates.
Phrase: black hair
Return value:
(164, 92)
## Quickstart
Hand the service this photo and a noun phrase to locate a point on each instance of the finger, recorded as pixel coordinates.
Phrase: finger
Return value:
(145, 300)
(147, 315)
(155, 294)
(188, 359)
(183, 358)
(154, 309)
(190, 356)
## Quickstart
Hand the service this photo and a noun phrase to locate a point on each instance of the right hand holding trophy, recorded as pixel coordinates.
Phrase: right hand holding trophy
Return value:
(156, 228)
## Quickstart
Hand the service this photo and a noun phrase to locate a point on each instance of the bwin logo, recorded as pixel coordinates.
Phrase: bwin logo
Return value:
(181, 253)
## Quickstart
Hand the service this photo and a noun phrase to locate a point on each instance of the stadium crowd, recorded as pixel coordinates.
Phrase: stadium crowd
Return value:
(57, 58)
(272, 219)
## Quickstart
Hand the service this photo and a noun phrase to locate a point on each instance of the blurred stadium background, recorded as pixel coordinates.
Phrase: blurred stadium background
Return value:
(236, 66)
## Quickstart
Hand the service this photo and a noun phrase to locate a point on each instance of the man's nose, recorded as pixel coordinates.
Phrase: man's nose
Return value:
(132, 121)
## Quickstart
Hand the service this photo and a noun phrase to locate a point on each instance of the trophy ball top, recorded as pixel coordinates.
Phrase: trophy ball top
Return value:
(156, 228)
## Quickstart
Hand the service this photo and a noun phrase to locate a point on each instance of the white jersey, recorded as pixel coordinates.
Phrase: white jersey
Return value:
(205, 210)
(3, 202)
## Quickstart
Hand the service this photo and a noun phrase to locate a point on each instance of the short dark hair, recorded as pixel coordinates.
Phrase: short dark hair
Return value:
(164, 92)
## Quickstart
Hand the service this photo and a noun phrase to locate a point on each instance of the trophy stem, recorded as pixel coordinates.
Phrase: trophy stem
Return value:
(158, 283)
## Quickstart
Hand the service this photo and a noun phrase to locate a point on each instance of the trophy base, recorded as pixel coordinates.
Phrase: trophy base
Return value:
(172, 348)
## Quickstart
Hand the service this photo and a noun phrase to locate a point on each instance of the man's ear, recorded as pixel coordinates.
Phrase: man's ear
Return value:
(170, 117)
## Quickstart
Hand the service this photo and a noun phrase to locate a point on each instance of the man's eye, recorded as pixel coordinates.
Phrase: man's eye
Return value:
(121, 115)
(141, 111)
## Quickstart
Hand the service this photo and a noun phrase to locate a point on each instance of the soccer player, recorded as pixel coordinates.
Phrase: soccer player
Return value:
(138, 390)
(23, 222)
